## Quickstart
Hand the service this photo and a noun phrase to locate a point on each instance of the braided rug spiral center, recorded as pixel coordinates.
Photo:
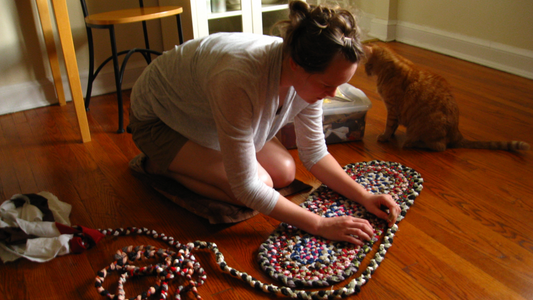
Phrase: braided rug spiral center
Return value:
(293, 257)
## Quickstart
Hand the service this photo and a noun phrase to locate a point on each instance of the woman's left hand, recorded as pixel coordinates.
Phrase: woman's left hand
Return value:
(374, 203)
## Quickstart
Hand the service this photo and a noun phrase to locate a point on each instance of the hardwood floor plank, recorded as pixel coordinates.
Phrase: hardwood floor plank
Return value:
(17, 151)
(8, 177)
(445, 272)
(392, 282)
(13, 286)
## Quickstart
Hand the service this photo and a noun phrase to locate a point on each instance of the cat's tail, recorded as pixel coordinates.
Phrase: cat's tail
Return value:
(509, 146)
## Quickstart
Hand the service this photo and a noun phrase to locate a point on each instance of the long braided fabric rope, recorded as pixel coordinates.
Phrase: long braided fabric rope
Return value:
(181, 264)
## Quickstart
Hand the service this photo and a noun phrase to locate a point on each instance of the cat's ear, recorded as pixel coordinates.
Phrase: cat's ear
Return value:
(367, 50)
(368, 55)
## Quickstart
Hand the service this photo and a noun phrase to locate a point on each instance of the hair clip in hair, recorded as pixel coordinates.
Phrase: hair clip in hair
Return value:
(347, 41)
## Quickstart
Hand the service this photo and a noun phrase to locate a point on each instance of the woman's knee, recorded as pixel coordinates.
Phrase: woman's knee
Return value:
(278, 163)
(279, 174)
(284, 173)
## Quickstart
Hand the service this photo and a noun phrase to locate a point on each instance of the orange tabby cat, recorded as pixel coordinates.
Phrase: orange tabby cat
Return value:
(422, 102)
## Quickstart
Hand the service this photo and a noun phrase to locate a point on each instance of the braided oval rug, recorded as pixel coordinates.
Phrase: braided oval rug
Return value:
(298, 259)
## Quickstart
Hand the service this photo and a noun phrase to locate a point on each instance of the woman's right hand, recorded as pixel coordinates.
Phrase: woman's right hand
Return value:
(346, 228)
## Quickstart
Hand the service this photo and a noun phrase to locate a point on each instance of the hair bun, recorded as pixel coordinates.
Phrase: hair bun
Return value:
(313, 35)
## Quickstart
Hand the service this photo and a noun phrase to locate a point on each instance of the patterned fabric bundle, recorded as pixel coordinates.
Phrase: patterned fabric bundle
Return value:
(37, 227)
(298, 259)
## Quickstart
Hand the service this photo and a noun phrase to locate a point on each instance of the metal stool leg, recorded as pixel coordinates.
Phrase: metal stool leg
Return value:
(92, 76)
(147, 56)
(180, 29)
(118, 81)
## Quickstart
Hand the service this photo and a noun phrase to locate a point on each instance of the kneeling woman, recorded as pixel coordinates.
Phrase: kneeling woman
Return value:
(206, 114)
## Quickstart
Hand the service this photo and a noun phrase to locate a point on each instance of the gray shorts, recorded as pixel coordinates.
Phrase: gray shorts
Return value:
(156, 140)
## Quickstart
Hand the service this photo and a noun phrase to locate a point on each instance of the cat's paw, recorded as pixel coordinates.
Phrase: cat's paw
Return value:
(383, 138)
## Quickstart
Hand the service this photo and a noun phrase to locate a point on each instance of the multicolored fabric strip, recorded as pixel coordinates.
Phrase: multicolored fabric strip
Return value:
(299, 259)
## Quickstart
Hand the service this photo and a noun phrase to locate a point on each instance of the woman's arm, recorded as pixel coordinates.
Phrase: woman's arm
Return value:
(347, 228)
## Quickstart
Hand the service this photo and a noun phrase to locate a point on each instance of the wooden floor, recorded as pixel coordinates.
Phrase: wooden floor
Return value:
(469, 234)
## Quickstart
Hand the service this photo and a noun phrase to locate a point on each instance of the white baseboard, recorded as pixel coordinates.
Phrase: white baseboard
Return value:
(41, 93)
(383, 30)
(26, 95)
(491, 54)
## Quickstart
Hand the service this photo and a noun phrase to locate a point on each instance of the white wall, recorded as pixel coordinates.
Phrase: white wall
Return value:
(495, 33)
(507, 22)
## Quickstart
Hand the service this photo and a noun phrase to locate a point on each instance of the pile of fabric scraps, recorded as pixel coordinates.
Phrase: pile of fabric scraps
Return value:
(37, 227)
